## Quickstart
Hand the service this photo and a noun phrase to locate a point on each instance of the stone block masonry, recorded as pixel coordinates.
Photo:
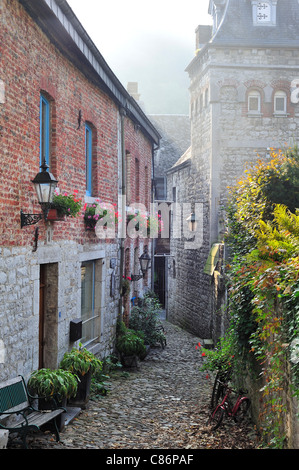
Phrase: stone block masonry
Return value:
(20, 303)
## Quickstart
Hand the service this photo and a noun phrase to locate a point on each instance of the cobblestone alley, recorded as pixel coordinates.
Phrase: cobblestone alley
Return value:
(162, 405)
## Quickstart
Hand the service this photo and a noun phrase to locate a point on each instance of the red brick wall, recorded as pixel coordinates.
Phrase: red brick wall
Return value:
(138, 149)
(139, 159)
(31, 64)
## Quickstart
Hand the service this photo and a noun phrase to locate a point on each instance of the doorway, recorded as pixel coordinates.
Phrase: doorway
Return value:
(48, 316)
(160, 279)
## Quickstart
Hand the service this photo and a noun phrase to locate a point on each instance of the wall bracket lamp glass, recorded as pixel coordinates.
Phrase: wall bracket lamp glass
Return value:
(144, 261)
(45, 185)
(192, 222)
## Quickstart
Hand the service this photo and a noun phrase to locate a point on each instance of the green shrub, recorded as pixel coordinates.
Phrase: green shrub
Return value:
(129, 342)
(145, 318)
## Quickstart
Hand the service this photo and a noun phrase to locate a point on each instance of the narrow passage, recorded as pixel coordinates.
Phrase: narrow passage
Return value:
(162, 405)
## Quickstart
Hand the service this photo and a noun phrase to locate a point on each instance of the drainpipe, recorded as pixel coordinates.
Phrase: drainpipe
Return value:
(123, 207)
(153, 192)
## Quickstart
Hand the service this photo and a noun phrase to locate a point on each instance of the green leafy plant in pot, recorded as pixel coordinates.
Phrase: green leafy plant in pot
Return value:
(84, 364)
(53, 388)
(130, 346)
(53, 384)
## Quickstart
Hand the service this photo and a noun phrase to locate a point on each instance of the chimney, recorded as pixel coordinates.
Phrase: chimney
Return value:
(203, 35)
(132, 89)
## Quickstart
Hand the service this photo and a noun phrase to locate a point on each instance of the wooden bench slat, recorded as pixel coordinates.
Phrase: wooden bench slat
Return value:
(38, 418)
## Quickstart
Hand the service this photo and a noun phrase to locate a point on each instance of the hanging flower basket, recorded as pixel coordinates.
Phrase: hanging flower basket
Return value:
(68, 205)
(146, 225)
(96, 211)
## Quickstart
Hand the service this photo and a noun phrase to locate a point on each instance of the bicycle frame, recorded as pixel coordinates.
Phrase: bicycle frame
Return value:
(231, 411)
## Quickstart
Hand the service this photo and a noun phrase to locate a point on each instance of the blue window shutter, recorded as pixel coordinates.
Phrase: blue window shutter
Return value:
(88, 159)
(44, 130)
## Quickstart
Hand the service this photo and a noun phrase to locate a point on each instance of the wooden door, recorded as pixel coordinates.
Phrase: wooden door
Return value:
(42, 286)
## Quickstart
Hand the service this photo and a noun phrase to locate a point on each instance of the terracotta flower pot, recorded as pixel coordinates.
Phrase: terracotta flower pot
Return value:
(53, 215)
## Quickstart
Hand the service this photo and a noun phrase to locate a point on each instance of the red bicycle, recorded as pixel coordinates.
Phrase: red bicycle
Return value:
(237, 411)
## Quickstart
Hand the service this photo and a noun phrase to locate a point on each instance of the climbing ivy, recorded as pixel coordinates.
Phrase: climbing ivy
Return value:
(263, 280)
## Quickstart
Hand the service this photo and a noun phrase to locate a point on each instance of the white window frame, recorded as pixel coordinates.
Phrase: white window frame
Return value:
(255, 95)
(280, 95)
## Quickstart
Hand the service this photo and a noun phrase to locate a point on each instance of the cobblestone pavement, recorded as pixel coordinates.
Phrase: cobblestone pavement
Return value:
(161, 405)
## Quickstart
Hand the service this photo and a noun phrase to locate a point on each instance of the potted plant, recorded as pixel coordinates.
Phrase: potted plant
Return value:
(137, 222)
(83, 363)
(57, 384)
(65, 205)
(130, 346)
(90, 216)
(125, 285)
(52, 387)
(96, 211)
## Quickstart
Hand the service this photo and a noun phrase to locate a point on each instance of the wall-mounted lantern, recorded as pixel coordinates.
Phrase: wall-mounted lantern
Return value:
(192, 222)
(144, 261)
(45, 185)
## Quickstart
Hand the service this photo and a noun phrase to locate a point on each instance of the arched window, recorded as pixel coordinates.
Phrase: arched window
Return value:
(280, 102)
(254, 102)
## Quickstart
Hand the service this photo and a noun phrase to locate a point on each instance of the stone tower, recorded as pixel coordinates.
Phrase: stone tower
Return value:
(243, 100)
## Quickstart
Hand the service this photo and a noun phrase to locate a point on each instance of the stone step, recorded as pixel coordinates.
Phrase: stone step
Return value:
(71, 413)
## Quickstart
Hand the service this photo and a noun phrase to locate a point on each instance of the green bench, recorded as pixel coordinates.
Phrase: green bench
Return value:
(18, 415)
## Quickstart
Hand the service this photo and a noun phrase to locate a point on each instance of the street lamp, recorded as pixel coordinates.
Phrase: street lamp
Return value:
(144, 261)
(45, 185)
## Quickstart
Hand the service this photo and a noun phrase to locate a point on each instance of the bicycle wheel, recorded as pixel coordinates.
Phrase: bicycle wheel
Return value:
(215, 418)
(242, 410)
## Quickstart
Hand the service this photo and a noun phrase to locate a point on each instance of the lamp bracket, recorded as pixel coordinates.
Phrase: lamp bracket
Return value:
(30, 219)
(136, 277)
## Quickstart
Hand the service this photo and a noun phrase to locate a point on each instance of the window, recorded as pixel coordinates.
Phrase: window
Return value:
(264, 13)
(89, 302)
(88, 159)
(280, 102)
(44, 130)
(254, 102)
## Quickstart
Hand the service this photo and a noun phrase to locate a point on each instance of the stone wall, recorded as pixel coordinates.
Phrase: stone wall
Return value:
(20, 298)
(225, 138)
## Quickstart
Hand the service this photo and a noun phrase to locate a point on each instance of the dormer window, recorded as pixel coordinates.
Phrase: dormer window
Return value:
(264, 13)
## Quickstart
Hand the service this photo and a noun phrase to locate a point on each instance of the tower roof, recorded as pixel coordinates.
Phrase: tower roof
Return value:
(236, 28)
